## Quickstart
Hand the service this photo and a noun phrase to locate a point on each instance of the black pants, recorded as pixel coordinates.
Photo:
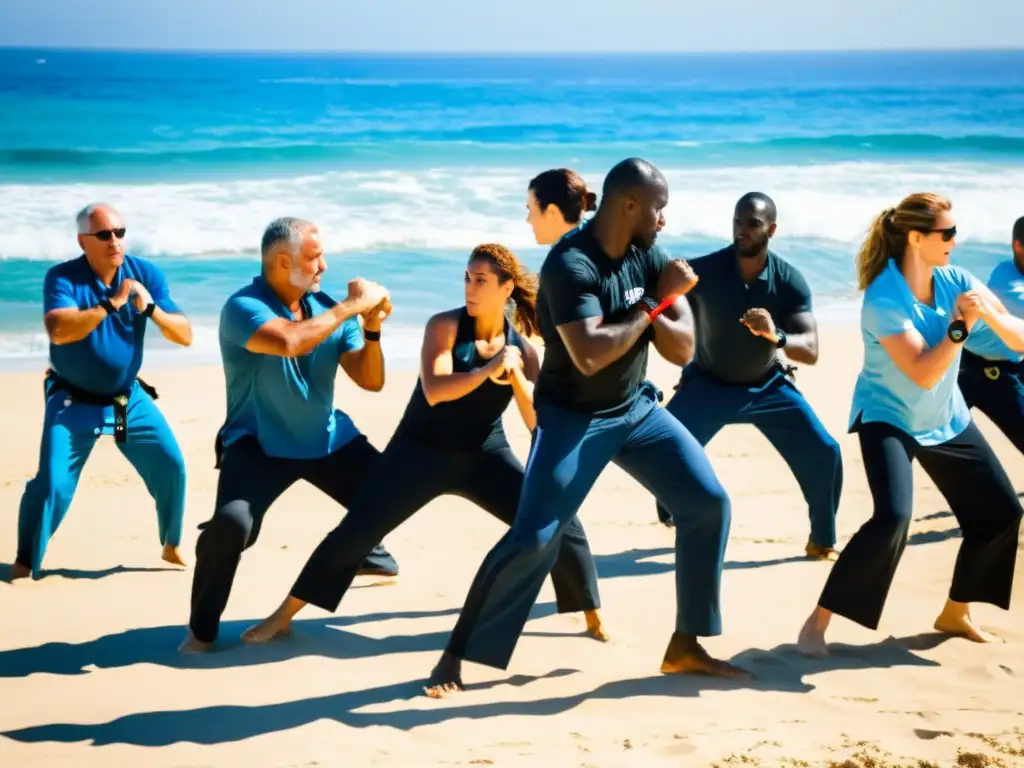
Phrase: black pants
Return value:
(407, 478)
(250, 481)
(996, 388)
(979, 494)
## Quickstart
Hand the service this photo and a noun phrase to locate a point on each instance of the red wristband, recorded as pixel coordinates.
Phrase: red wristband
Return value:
(653, 313)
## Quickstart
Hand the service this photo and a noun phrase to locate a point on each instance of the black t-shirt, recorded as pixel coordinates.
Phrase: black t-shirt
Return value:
(578, 280)
(726, 350)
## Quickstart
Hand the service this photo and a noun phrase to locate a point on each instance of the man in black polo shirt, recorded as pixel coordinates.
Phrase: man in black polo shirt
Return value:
(748, 305)
(606, 291)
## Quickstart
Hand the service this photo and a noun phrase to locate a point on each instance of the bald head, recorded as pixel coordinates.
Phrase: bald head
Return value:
(758, 202)
(634, 197)
(753, 225)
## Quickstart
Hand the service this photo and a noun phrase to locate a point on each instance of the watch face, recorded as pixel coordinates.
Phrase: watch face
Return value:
(956, 334)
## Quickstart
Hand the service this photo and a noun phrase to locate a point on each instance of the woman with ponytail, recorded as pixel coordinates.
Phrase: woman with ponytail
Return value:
(917, 312)
(450, 440)
(555, 202)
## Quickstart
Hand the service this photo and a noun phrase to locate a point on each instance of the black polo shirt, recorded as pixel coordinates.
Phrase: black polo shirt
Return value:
(726, 350)
(578, 280)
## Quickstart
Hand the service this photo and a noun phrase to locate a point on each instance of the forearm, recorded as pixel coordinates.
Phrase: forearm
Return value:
(931, 365)
(606, 343)
(522, 391)
(802, 348)
(368, 368)
(69, 326)
(302, 337)
(674, 339)
(1008, 328)
(452, 386)
(174, 326)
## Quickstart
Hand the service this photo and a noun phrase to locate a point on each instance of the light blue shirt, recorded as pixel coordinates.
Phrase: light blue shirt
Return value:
(883, 393)
(1007, 283)
(287, 404)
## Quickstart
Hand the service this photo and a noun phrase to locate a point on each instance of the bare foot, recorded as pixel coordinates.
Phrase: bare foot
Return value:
(821, 553)
(172, 555)
(20, 571)
(811, 641)
(191, 645)
(594, 627)
(685, 655)
(955, 620)
(446, 678)
(275, 625)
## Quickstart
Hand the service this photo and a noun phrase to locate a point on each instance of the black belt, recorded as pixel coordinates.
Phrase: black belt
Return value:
(119, 399)
(993, 369)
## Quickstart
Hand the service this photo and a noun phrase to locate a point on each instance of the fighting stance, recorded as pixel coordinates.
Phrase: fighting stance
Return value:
(606, 291)
(749, 304)
(451, 441)
(555, 202)
(992, 374)
(96, 310)
(282, 341)
(917, 312)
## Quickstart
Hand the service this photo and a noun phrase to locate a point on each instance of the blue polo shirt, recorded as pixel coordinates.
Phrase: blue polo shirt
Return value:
(107, 360)
(287, 404)
(883, 393)
(1007, 283)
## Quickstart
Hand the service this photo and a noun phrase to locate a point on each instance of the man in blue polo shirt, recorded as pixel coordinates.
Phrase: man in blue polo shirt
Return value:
(281, 342)
(991, 374)
(748, 305)
(96, 310)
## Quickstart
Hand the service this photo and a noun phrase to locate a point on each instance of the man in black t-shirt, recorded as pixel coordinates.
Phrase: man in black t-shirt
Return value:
(748, 305)
(606, 292)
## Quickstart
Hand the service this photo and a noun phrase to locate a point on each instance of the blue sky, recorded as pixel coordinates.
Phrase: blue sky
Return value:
(521, 25)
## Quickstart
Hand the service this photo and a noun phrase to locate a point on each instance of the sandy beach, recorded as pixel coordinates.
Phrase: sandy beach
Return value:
(90, 676)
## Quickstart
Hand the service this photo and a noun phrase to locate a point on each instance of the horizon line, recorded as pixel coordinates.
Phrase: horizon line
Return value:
(507, 51)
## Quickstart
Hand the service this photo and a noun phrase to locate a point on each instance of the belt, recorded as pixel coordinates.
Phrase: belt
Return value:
(119, 399)
(993, 369)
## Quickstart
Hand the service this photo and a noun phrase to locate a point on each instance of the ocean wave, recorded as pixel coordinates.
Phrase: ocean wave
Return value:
(265, 146)
(458, 208)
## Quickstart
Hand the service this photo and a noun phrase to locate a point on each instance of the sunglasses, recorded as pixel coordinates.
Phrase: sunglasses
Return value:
(947, 234)
(106, 234)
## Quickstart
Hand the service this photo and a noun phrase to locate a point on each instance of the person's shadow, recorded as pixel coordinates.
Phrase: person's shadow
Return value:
(778, 669)
(87, 575)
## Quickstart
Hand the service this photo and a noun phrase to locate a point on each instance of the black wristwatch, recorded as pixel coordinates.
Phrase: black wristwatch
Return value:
(957, 332)
(782, 338)
(107, 305)
(148, 311)
(371, 335)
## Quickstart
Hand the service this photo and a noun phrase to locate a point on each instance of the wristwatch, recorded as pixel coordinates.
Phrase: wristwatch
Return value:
(957, 332)
(649, 303)
(371, 335)
(107, 305)
(782, 338)
(148, 311)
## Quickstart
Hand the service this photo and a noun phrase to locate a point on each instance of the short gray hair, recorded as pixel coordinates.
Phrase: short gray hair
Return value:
(286, 230)
(84, 217)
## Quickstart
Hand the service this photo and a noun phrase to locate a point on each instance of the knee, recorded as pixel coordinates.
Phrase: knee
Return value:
(228, 529)
(709, 508)
(51, 485)
(534, 541)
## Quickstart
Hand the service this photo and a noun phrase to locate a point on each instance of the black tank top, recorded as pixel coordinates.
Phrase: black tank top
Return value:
(472, 421)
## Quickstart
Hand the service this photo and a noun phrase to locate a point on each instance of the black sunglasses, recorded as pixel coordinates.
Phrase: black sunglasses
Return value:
(947, 234)
(106, 234)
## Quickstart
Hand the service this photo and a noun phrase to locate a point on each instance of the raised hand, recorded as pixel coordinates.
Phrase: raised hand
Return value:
(366, 294)
(141, 297)
(677, 278)
(972, 307)
(374, 318)
(124, 292)
(510, 358)
(760, 323)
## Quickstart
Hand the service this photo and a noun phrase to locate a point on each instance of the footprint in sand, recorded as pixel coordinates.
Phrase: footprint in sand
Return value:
(988, 672)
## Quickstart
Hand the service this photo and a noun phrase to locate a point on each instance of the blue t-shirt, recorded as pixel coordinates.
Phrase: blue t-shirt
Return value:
(107, 360)
(287, 404)
(883, 393)
(1007, 283)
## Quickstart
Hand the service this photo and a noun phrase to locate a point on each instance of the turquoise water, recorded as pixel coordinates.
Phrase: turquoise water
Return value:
(407, 162)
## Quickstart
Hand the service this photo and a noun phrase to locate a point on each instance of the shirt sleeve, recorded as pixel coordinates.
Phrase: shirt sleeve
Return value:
(156, 284)
(241, 317)
(351, 337)
(798, 294)
(883, 317)
(57, 292)
(570, 287)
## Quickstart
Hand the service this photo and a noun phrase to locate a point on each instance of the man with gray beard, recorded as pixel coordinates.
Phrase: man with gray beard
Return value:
(282, 340)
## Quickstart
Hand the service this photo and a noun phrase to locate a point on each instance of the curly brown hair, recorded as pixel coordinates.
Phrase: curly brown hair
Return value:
(525, 283)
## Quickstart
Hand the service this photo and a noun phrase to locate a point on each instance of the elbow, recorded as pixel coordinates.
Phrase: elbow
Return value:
(587, 366)
(373, 386)
(430, 394)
